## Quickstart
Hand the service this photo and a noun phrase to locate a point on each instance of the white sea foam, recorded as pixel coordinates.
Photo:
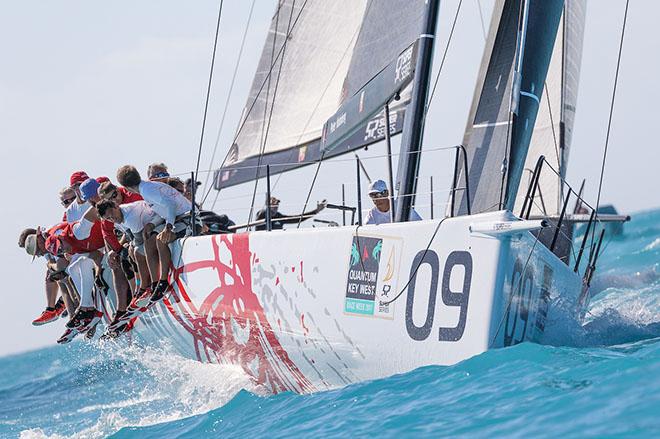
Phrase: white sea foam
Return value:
(655, 244)
(176, 388)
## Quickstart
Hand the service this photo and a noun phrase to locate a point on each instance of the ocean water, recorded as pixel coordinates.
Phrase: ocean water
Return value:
(598, 379)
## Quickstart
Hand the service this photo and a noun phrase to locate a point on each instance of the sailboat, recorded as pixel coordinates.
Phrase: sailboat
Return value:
(315, 308)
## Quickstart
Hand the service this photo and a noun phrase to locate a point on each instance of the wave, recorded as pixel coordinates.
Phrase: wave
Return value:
(108, 389)
(494, 394)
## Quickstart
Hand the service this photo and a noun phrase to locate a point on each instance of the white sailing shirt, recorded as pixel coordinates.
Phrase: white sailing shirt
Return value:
(76, 211)
(375, 216)
(166, 201)
(136, 216)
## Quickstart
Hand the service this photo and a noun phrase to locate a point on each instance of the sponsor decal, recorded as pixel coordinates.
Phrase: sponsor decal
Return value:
(338, 122)
(376, 127)
(301, 153)
(404, 65)
(497, 227)
(372, 276)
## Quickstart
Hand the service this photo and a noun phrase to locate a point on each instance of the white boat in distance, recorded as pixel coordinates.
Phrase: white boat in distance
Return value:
(312, 309)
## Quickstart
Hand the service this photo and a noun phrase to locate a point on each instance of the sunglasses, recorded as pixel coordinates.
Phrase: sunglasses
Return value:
(66, 201)
(378, 194)
(159, 175)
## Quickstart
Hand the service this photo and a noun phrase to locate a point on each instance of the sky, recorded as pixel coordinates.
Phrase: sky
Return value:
(96, 85)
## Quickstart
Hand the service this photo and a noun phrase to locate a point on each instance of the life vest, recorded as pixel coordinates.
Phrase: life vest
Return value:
(64, 232)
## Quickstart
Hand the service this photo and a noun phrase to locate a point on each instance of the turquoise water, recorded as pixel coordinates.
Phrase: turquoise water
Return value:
(600, 379)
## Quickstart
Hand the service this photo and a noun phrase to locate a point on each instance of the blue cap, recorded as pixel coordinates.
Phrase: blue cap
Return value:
(377, 186)
(89, 189)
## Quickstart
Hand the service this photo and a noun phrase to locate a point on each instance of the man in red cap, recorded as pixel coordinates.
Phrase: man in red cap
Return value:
(60, 241)
(77, 209)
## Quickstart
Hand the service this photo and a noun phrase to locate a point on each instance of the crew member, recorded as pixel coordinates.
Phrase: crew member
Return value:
(278, 219)
(172, 207)
(380, 213)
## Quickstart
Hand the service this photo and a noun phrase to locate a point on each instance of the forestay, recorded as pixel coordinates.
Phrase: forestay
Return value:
(318, 55)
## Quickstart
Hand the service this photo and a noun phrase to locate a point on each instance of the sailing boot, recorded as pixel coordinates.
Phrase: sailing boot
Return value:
(60, 308)
(140, 299)
(160, 290)
(47, 316)
(119, 325)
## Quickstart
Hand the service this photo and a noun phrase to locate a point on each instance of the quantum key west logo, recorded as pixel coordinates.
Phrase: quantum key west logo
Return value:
(371, 276)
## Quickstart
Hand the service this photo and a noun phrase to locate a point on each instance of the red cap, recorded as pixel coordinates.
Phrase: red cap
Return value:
(100, 180)
(53, 245)
(78, 177)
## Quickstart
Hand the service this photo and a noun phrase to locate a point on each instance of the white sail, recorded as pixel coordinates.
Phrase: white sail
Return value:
(318, 54)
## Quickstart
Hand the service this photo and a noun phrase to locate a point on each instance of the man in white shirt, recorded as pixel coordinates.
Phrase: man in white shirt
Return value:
(380, 213)
(171, 206)
(131, 219)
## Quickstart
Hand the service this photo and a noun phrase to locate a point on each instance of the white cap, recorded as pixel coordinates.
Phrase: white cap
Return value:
(31, 244)
(377, 186)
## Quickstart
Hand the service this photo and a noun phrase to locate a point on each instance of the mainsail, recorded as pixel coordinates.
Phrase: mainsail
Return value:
(318, 56)
(553, 130)
(501, 121)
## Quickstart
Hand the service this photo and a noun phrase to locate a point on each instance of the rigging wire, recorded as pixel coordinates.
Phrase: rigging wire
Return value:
(444, 57)
(481, 17)
(208, 91)
(224, 112)
(414, 272)
(258, 93)
(609, 122)
(311, 187)
(327, 86)
(272, 106)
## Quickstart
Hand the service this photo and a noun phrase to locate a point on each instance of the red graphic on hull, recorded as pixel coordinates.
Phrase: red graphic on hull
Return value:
(230, 326)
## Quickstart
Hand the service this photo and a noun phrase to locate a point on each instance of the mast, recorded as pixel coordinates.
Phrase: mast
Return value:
(411, 143)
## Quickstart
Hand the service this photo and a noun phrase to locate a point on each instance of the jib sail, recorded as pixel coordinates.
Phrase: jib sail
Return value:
(499, 128)
(553, 130)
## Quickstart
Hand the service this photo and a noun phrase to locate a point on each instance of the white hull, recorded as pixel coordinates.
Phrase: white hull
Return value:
(281, 304)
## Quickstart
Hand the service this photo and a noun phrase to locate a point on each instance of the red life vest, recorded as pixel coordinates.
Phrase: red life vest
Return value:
(64, 232)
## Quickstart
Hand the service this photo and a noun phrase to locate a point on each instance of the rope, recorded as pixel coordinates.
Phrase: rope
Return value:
(481, 17)
(609, 122)
(333, 160)
(311, 187)
(272, 106)
(254, 101)
(444, 56)
(224, 112)
(208, 91)
(414, 273)
(318, 102)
